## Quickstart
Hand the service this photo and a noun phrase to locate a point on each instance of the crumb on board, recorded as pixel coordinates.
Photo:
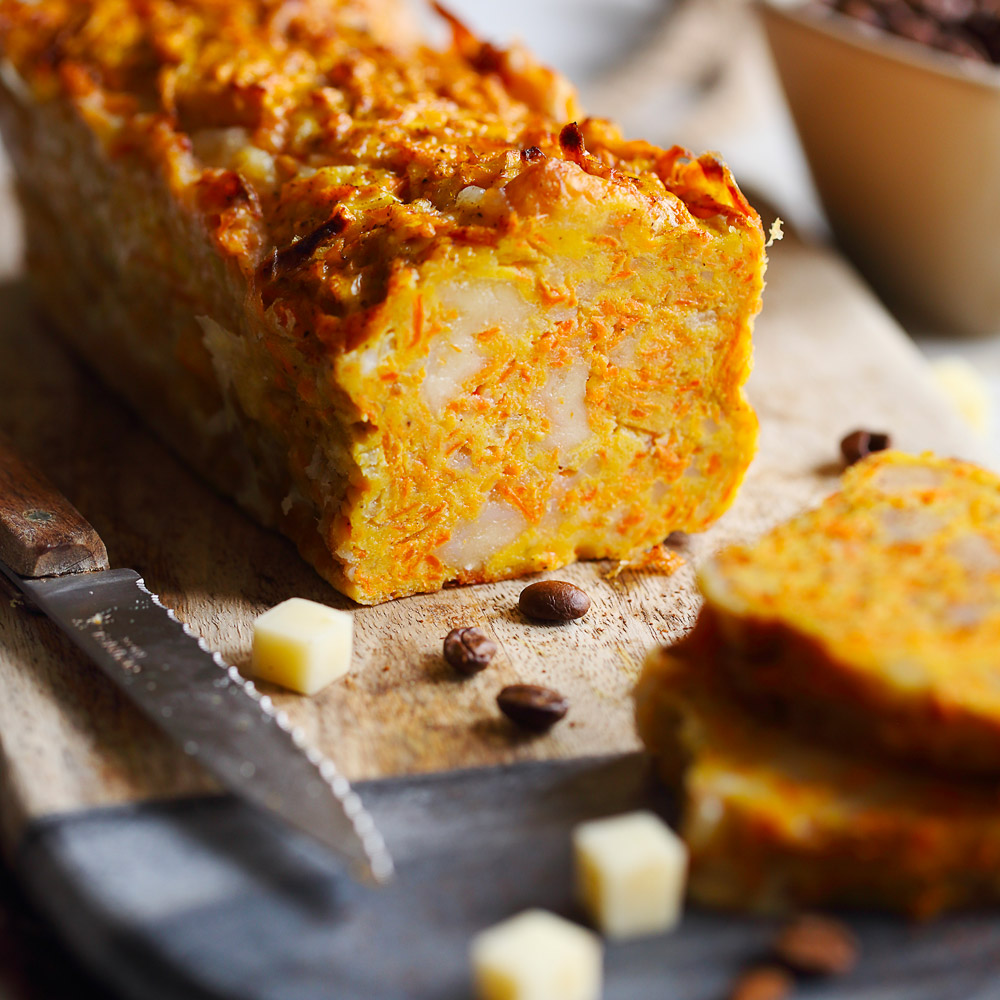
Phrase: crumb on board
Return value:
(658, 559)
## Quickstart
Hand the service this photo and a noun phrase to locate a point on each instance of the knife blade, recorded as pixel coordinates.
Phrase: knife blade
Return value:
(52, 555)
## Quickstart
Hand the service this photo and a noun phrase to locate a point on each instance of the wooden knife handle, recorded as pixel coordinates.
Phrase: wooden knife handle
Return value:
(41, 532)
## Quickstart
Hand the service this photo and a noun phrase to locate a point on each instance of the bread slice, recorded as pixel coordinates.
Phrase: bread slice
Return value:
(391, 298)
(774, 823)
(873, 620)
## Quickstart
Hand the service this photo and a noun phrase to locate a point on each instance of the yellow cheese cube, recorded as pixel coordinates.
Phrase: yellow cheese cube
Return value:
(967, 390)
(302, 645)
(537, 956)
(631, 873)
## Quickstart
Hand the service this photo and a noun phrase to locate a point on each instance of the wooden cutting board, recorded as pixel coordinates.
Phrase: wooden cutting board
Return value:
(828, 360)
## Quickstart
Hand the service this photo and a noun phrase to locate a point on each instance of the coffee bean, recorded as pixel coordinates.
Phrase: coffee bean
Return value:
(554, 601)
(532, 707)
(915, 27)
(984, 27)
(859, 444)
(965, 46)
(948, 12)
(967, 28)
(862, 10)
(818, 946)
(767, 982)
(469, 650)
(866, 10)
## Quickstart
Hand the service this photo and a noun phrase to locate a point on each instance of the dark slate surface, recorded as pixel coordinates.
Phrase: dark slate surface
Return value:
(209, 899)
(34, 964)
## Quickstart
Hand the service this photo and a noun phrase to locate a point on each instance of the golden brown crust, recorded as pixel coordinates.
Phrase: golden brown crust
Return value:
(300, 215)
(875, 619)
(775, 823)
(868, 624)
(314, 87)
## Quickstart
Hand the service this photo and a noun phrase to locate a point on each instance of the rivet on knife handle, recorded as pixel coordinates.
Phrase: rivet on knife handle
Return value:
(41, 532)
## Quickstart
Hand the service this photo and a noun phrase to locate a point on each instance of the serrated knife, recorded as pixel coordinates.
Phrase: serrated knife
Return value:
(53, 556)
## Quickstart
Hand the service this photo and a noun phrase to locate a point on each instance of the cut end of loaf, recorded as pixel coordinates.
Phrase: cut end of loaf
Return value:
(574, 390)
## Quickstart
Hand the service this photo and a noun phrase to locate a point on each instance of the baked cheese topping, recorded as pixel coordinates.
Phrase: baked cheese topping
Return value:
(875, 617)
(461, 336)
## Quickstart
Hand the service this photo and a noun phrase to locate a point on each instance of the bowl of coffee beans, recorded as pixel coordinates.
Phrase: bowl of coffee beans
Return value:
(897, 105)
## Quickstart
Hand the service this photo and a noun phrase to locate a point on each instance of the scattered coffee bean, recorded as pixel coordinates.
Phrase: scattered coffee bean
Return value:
(469, 650)
(766, 982)
(860, 444)
(532, 707)
(554, 601)
(818, 946)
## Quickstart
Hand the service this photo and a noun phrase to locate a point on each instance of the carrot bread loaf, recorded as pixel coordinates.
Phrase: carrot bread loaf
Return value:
(393, 299)
(773, 822)
(875, 619)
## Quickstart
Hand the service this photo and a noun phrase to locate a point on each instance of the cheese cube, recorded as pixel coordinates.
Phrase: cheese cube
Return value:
(967, 390)
(631, 873)
(302, 645)
(536, 956)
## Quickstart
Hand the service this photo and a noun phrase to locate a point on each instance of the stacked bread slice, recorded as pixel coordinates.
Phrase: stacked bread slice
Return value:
(833, 720)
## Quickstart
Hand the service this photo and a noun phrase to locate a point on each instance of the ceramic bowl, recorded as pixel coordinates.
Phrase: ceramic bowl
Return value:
(903, 143)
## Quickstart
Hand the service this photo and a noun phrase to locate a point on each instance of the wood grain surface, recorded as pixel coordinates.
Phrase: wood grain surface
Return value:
(828, 360)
